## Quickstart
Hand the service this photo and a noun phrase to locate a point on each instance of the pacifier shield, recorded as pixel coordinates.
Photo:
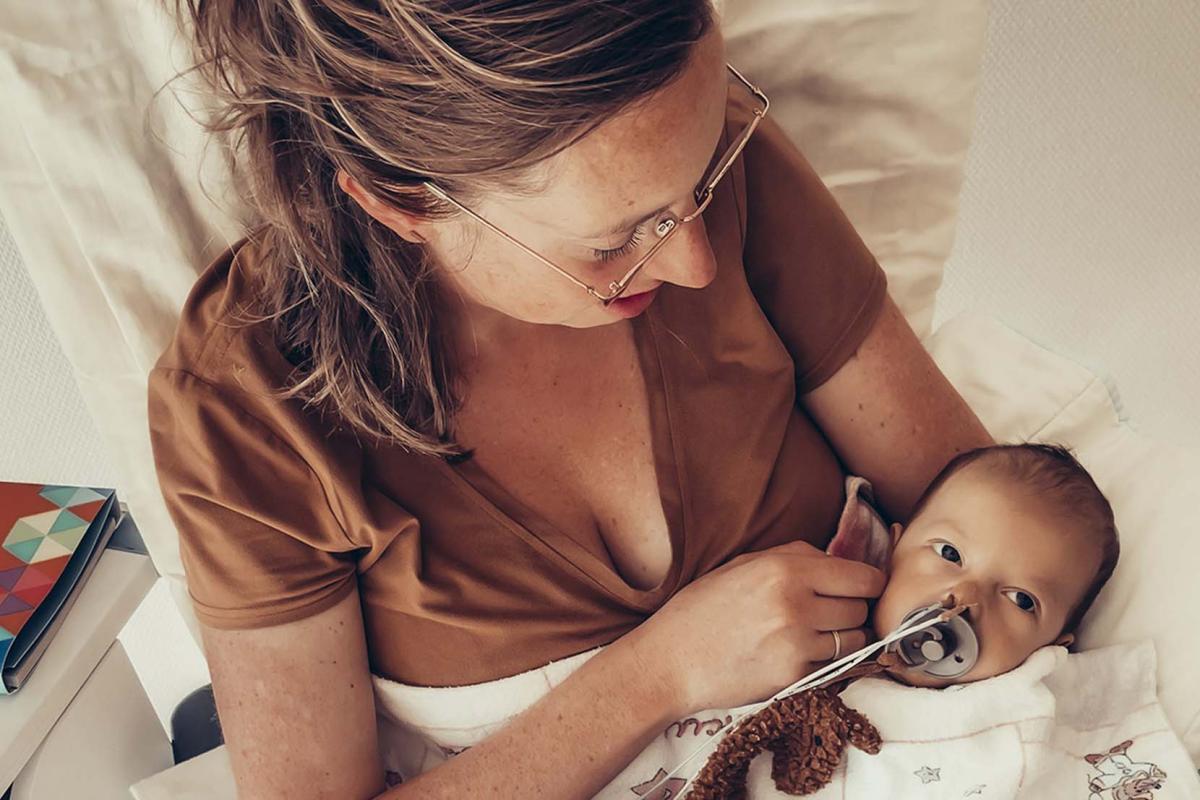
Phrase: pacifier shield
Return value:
(946, 649)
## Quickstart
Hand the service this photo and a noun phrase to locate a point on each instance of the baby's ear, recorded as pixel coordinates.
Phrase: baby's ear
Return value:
(1066, 640)
(862, 535)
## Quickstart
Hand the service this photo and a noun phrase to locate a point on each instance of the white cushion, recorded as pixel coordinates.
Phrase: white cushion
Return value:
(1023, 392)
(102, 190)
(102, 193)
(879, 95)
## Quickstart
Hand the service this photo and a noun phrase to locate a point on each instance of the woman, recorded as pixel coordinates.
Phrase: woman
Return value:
(485, 390)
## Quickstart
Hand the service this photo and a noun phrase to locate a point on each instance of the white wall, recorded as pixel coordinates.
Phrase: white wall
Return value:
(45, 431)
(1080, 212)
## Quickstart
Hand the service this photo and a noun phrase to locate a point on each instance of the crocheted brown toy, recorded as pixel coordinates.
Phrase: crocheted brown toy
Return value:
(807, 734)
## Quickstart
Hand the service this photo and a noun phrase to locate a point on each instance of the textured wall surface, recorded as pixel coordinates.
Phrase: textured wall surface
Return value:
(1079, 222)
(45, 430)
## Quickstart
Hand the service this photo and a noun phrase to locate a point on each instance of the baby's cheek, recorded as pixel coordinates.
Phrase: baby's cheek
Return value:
(888, 613)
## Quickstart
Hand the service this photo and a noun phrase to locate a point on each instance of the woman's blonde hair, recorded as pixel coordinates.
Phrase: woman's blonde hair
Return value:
(467, 93)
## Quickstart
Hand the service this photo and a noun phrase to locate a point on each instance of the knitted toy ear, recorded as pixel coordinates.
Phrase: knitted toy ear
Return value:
(862, 535)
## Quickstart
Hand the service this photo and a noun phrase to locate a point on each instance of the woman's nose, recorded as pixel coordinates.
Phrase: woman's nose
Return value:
(686, 260)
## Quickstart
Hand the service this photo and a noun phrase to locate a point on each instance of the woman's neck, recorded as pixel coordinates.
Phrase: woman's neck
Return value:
(481, 333)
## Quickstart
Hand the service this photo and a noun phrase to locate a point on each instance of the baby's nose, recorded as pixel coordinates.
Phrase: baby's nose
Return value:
(965, 593)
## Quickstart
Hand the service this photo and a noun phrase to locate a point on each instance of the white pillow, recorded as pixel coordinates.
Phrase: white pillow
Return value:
(879, 96)
(1022, 392)
(113, 226)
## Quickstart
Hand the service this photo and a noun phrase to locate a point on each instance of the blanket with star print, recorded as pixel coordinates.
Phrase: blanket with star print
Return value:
(1085, 725)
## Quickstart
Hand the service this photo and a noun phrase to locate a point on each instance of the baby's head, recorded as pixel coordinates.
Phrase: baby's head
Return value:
(1022, 533)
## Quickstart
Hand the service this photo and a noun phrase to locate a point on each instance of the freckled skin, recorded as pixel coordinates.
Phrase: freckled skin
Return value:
(1007, 542)
(625, 165)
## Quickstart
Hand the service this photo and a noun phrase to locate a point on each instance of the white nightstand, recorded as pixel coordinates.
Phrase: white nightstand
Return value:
(82, 727)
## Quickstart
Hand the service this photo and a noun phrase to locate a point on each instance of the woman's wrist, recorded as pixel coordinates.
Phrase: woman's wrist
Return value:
(647, 676)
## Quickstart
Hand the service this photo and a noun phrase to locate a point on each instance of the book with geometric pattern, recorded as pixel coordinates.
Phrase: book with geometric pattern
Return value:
(50, 539)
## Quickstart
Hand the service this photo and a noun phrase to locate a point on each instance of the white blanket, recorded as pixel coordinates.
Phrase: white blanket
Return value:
(1087, 725)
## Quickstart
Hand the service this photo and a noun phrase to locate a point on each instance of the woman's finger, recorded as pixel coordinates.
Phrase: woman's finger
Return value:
(850, 640)
(839, 577)
(836, 613)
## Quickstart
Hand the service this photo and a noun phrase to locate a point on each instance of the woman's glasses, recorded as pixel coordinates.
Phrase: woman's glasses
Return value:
(665, 226)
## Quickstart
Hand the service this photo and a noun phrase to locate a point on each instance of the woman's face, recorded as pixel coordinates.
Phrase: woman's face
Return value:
(602, 194)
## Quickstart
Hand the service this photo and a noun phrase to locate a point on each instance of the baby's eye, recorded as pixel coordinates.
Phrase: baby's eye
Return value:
(1024, 600)
(948, 552)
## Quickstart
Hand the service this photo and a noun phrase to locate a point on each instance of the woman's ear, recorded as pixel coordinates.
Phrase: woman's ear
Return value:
(405, 225)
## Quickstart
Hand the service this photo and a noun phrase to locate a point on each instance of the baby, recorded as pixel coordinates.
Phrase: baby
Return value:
(1020, 534)
(1024, 539)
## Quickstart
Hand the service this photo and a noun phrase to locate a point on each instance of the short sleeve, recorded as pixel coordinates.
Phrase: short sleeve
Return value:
(813, 276)
(259, 542)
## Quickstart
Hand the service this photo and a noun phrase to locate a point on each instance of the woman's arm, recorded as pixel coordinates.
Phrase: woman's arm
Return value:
(569, 744)
(297, 712)
(737, 634)
(892, 416)
(297, 708)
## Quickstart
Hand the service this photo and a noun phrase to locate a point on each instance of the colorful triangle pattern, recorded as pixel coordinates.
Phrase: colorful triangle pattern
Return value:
(41, 526)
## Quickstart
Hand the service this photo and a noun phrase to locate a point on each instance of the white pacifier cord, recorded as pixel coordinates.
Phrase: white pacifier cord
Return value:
(816, 678)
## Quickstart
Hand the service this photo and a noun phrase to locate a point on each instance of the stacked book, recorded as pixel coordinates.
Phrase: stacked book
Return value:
(50, 540)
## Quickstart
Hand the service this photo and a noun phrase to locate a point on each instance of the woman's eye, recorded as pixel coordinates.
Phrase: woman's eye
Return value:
(625, 249)
(1023, 600)
(948, 552)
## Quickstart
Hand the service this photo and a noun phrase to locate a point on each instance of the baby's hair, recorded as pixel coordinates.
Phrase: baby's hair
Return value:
(1054, 474)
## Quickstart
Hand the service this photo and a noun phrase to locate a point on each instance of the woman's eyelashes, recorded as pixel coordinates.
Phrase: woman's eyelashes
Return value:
(630, 245)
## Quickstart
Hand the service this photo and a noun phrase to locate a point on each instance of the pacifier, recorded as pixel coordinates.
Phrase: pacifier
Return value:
(947, 649)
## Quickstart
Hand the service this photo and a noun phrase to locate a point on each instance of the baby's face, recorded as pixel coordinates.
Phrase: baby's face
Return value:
(992, 543)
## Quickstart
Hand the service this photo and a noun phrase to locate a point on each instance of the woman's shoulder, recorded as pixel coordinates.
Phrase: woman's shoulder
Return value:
(793, 249)
(223, 367)
(222, 339)
(255, 486)
(220, 316)
(739, 107)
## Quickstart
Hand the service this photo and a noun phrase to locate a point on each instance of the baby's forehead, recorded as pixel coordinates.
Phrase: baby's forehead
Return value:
(1014, 491)
(1016, 507)
(1033, 531)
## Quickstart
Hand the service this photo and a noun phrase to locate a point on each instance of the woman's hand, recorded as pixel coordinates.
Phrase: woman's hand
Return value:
(753, 626)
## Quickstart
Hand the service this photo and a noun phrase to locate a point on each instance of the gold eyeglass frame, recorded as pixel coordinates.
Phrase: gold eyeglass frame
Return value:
(668, 223)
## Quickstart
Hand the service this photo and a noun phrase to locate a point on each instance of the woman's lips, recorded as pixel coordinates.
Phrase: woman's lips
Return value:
(632, 305)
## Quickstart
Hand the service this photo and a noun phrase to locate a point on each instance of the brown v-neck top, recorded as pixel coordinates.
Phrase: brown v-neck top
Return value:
(280, 515)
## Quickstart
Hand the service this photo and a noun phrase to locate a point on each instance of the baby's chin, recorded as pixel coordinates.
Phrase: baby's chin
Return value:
(923, 680)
